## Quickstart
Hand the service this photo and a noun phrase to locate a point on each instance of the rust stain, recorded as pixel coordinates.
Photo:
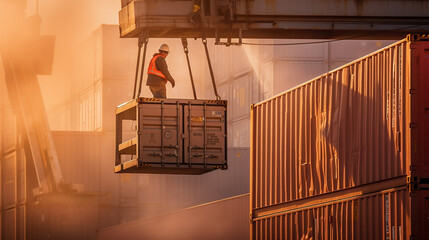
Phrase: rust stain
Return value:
(359, 6)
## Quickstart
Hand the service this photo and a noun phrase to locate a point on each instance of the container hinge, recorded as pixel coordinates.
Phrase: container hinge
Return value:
(413, 183)
(413, 179)
(250, 217)
(413, 91)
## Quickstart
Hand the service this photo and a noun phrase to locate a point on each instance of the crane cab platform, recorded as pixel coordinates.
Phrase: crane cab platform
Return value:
(171, 136)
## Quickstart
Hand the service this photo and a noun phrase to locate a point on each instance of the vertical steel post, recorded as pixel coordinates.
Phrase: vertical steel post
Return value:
(145, 40)
(178, 133)
(139, 122)
(189, 133)
(205, 135)
(140, 44)
(162, 133)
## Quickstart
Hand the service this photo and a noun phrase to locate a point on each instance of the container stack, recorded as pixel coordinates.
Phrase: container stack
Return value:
(344, 156)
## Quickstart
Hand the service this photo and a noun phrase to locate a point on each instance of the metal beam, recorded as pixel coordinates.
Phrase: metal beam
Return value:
(289, 19)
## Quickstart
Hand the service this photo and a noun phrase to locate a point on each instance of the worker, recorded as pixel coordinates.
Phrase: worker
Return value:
(195, 17)
(158, 74)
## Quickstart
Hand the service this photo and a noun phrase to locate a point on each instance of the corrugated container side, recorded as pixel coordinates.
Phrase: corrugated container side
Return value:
(380, 215)
(9, 224)
(223, 219)
(239, 131)
(63, 220)
(288, 74)
(8, 186)
(240, 60)
(222, 63)
(340, 130)
(8, 129)
(241, 89)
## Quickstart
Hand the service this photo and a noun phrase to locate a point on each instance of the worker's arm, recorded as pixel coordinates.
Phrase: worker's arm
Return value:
(161, 65)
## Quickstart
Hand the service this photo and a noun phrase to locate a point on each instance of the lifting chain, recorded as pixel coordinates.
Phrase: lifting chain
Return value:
(210, 68)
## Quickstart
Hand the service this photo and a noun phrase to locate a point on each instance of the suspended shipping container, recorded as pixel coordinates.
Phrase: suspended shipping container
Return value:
(365, 122)
(172, 136)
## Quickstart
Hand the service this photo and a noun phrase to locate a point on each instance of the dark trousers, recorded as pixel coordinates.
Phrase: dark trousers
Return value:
(159, 91)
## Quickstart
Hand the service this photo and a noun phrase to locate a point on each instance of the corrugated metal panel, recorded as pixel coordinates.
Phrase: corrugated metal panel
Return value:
(8, 128)
(125, 2)
(95, 151)
(295, 64)
(307, 52)
(222, 63)
(288, 74)
(22, 213)
(113, 94)
(240, 133)
(381, 215)
(240, 61)
(356, 128)
(349, 50)
(267, 51)
(21, 176)
(65, 217)
(337, 131)
(263, 86)
(8, 224)
(8, 177)
(241, 96)
(224, 219)
(116, 57)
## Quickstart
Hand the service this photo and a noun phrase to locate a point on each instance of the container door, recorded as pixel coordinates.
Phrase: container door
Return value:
(423, 110)
(158, 133)
(205, 132)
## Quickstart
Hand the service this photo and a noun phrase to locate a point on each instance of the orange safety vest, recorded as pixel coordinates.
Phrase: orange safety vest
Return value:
(152, 68)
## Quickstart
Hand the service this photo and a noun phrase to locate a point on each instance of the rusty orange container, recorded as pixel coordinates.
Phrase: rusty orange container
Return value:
(380, 215)
(365, 122)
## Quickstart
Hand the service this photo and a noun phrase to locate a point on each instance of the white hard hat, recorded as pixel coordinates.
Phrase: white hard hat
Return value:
(164, 47)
